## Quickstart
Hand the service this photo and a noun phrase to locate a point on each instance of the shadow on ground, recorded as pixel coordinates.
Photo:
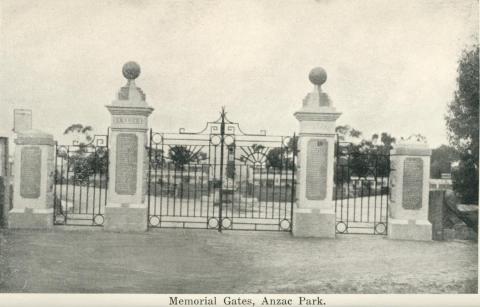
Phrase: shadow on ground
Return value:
(203, 261)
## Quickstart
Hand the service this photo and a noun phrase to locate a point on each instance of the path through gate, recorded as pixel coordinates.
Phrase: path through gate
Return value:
(81, 181)
(221, 178)
(361, 189)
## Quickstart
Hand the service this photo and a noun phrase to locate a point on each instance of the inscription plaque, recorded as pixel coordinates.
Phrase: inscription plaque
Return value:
(126, 164)
(412, 183)
(317, 151)
(30, 171)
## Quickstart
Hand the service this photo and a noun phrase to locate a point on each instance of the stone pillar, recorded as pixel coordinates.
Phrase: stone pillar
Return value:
(126, 208)
(33, 173)
(314, 215)
(409, 195)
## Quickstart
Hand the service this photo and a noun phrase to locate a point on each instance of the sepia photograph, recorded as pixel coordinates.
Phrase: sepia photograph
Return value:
(239, 153)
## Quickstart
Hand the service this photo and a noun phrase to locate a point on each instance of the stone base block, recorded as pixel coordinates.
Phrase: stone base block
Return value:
(419, 230)
(30, 219)
(313, 223)
(126, 217)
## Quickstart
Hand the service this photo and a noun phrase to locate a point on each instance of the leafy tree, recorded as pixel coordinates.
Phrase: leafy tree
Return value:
(282, 157)
(462, 126)
(84, 160)
(346, 132)
(182, 155)
(441, 160)
(365, 157)
(276, 157)
(82, 134)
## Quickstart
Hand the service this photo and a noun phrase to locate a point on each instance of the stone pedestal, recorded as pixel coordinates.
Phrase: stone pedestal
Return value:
(314, 215)
(126, 208)
(409, 194)
(33, 181)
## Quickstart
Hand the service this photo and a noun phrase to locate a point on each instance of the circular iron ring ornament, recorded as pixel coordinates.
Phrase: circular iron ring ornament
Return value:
(212, 223)
(215, 140)
(60, 219)
(380, 228)
(285, 225)
(226, 223)
(157, 138)
(62, 150)
(101, 152)
(341, 227)
(98, 219)
(154, 221)
(229, 140)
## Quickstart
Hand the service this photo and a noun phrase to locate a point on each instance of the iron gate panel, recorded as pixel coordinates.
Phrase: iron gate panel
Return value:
(361, 189)
(221, 178)
(81, 182)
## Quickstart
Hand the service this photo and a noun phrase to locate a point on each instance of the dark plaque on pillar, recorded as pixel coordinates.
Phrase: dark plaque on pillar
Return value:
(317, 157)
(126, 164)
(412, 183)
(30, 171)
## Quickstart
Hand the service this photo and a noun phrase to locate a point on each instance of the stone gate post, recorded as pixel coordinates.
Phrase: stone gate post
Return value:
(315, 212)
(126, 208)
(33, 173)
(409, 184)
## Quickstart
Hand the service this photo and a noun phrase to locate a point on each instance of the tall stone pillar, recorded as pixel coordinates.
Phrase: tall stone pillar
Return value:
(409, 184)
(126, 208)
(315, 212)
(33, 173)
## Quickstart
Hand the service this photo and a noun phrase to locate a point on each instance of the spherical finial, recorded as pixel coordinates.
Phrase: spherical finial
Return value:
(131, 70)
(318, 76)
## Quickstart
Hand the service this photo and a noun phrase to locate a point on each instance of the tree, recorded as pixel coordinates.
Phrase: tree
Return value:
(345, 133)
(462, 126)
(364, 157)
(84, 159)
(282, 157)
(182, 155)
(80, 133)
(441, 160)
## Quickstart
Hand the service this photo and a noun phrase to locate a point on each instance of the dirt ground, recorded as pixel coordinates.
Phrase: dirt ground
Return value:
(204, 261)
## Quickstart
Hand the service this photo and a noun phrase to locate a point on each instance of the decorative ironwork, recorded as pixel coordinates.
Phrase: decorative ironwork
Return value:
(221, 178)
(81, 182)
(361, 189)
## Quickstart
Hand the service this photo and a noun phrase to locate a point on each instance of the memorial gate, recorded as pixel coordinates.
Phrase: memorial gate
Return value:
(311, 184)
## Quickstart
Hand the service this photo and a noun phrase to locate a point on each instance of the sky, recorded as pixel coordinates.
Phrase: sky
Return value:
(391, 65)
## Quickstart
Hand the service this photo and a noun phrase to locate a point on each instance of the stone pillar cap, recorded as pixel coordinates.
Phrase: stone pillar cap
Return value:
(130, 95)
(411, 147)
(317, 101)
(34, 137)
(317, 114)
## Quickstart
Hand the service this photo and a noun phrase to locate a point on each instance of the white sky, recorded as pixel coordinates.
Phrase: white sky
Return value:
(391, 64)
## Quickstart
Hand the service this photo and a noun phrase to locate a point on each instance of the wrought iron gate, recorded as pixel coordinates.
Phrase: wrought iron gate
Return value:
(221, 178)
(81, 182)
(361, 189)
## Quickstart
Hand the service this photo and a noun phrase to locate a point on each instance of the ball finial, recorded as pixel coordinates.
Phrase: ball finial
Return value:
(318, 76)
(131, 70)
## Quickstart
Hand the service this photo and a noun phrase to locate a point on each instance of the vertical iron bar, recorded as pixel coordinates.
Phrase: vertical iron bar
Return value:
(55, 205)
(375, 195)
(292, 196)
(194, 192)
(388, 192)
(149, 176)
(107, 168)
(273, 195)
(222, 140)
(74, 187)
(66, 189)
